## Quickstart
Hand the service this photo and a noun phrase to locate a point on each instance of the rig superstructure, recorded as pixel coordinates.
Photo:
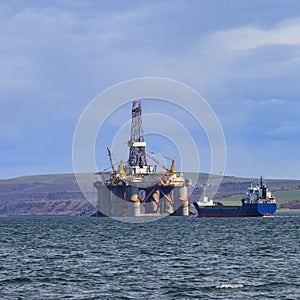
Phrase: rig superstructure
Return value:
(135, 188)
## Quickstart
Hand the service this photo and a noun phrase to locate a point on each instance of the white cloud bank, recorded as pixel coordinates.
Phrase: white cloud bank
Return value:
(247, 38)
(56, 58)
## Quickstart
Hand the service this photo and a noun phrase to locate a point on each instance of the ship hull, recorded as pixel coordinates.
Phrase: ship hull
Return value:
(246, 210)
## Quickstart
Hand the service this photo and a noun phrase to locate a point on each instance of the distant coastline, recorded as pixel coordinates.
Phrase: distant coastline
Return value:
(59, 194)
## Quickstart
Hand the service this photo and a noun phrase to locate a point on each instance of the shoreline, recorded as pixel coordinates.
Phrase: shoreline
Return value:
(290, 210)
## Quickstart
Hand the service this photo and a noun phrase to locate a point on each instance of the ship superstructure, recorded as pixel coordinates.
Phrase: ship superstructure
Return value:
(136, 187)
(258, 194)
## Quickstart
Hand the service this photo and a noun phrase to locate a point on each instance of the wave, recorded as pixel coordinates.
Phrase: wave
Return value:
(229, 286)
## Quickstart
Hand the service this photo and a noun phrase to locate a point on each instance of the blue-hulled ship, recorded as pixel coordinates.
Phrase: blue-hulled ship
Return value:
(257, 202)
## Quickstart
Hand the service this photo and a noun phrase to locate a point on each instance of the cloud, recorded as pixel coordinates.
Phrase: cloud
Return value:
(273, 101)
(51, 43)
(248, 57)
(247, 38)
(287, 129)
(58, 55)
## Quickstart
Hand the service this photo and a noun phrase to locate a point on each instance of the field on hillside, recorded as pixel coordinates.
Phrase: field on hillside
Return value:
(50, 179)
(281, 197)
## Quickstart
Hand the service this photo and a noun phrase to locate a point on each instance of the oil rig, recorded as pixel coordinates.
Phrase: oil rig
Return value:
(135, 188)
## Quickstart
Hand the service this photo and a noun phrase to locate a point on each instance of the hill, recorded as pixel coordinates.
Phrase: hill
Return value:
(56, 194)
(59, 194)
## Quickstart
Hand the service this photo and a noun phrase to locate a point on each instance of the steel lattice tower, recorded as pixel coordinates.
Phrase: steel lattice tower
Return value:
(137, 152)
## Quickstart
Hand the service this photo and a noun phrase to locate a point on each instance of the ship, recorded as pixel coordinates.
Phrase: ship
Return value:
(257, 202)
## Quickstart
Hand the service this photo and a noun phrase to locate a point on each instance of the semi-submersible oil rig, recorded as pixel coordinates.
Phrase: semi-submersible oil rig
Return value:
(135, 188)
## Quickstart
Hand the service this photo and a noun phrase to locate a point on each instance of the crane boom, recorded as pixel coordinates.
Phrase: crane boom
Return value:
(110, 159)
(157, 161)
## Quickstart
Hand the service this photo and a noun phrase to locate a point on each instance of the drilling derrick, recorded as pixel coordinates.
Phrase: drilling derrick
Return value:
(137, 152)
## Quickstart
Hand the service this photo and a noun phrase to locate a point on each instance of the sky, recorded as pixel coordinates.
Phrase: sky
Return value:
(243, 57)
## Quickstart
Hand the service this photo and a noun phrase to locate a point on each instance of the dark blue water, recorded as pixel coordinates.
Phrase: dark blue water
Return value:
(174, 258)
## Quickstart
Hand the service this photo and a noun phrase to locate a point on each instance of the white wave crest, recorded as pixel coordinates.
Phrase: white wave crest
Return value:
(229, 286)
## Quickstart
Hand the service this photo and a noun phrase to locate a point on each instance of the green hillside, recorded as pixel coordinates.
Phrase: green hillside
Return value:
(285, 196)
(49, 178)
(281, 197)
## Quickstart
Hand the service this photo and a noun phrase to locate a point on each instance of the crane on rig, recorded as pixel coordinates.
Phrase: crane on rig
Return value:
(171, 170)
(111, 161)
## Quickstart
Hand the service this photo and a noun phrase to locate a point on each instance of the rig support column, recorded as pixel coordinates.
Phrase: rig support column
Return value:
(103, 204)
(104, 197)
(166, 204)
(118, 204)
(134, 205)
(151, 205)
(181, 205)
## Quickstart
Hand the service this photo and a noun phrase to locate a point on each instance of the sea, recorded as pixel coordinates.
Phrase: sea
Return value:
(167, 258)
